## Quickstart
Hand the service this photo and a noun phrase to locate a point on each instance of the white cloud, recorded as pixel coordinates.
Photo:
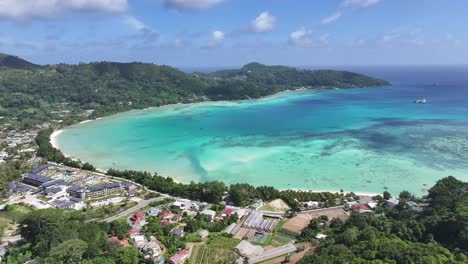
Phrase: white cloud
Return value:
(24, 10)
(390, 37)
(360, 3)
(135, 23)
(96, 5)
(300, 37)
(217, 38)
(265, 22)
(190, 4)
(330, 19)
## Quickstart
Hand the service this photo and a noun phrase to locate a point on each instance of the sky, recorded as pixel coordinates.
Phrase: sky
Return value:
(224, 33)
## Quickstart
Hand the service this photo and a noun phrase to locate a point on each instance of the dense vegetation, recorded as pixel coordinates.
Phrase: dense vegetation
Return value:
(62, 236)
(33, 95)
(214, 191)
(11, 170)
(390, 235)
(399, 235)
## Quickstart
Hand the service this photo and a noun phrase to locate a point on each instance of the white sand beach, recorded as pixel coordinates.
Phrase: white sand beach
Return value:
(54, 140)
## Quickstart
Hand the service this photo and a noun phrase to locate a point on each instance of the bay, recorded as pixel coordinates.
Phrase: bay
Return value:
(360, 139)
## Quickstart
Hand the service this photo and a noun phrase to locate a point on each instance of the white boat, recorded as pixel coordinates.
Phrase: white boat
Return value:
(421, 101)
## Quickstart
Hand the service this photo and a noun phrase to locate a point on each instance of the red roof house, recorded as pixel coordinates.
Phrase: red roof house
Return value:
(138, 215)
(134, 232)
(180, 257)
(361, 208)
(164, 215)
(228, 211)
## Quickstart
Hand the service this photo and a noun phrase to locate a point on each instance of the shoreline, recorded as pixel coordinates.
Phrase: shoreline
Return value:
(54, 140)
(54, 136)
(56, 133)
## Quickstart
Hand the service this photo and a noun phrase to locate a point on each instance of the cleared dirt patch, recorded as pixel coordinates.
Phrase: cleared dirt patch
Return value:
(299, 222)
(241, 233)
(277, 205)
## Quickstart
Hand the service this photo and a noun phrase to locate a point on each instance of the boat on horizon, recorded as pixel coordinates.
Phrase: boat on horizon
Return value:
(420, 101)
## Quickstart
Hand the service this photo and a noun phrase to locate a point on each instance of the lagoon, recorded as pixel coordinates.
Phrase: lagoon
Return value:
(365, 140)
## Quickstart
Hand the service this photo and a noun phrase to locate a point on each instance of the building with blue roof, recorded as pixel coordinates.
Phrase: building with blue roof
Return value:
(40, 168)
(35, 179)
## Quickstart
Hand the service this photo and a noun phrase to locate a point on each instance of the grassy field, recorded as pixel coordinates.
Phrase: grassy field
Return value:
(108, 210)
(19, 210)
(279, 240)
(13, 215)
(202, 254)
(219, 241)
(6, 224)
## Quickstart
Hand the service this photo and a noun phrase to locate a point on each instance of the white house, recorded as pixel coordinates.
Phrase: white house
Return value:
(311, 204)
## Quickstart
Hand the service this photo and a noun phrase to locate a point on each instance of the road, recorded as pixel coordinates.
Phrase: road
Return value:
(137, 207)
(281, 214)
(11, 239)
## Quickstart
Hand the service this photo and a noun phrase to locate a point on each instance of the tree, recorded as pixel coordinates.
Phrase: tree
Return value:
(405, 195)
(119, 228)
(348, 237)
(386, 195)
(70, 251)
(126, 255)
(87, 166)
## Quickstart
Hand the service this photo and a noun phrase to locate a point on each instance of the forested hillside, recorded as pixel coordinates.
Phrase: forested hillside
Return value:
(399, 235)
(10, 61)
(33, 94)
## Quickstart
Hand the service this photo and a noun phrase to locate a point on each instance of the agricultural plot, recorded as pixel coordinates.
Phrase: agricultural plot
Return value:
(223, 242)
(298, 223)
(259, 239)
(202, 254)
(280, 240)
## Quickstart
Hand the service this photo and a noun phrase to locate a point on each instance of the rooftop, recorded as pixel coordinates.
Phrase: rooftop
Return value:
(37, 177)
(179, 256)
(40, 168)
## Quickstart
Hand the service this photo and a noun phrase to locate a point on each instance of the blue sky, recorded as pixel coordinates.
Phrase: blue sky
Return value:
(216, 33)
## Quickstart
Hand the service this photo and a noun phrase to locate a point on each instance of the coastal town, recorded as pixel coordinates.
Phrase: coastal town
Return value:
(166, 228)
(262, 232)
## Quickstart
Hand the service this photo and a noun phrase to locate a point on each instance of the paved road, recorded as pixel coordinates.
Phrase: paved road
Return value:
(11, 239)
(137, 207)
(322, 209)
(281, 214)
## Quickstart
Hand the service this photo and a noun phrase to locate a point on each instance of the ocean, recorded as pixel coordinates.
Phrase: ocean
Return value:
(365, 140)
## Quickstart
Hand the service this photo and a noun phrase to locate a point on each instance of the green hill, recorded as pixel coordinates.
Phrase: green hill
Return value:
(14, 62)
(33, 93)
(292, 77)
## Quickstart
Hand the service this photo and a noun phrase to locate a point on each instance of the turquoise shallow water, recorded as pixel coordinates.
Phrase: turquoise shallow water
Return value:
(362, 140)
